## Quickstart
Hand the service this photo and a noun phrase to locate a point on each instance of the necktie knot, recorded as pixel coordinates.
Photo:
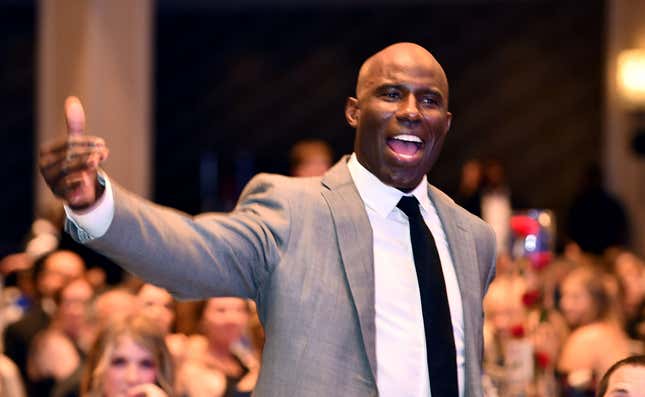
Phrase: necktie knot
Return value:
(410, 206)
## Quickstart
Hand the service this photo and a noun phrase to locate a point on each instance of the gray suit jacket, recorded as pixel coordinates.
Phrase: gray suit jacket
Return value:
(302, 248)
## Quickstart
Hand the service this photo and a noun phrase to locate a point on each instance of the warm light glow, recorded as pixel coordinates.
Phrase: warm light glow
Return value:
(631, 77)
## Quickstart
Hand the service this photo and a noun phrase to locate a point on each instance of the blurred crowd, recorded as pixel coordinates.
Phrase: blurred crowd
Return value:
(74, 338)
(552, 328)
(555, 323)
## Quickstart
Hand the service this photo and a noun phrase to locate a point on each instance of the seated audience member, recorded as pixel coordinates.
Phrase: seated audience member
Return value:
(50, 273)
(129, 358)
(73, 302)
(311, 157)
(503, 311)
(597, 339)
(222, 357)
(626, 378)
(10, 379)
(157, 304)
(630, 271)
(509, 326)
(97, 278)
(67, 338)
(113, 305)
(45, 374)
(47, 235)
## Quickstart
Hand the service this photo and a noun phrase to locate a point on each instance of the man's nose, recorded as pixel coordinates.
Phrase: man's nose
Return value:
(409, 110)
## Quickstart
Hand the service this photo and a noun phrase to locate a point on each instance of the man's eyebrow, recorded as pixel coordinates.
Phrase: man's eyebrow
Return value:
(388, 86)
(431, 90)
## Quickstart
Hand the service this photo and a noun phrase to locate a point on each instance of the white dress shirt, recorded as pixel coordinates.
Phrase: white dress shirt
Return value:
(96, 220)
(402, 368)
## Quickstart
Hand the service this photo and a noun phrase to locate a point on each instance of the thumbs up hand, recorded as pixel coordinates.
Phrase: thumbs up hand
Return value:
(69, 165)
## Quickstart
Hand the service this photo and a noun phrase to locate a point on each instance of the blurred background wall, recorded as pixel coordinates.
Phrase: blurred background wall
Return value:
(194, 97)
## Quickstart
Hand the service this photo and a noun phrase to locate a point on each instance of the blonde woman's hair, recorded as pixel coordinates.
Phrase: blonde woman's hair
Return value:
(597, 284)
(144, 333)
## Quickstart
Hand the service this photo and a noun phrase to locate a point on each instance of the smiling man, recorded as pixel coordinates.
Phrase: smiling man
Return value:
(368, 281)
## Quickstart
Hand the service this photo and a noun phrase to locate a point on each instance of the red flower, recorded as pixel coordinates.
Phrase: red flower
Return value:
(523, 225)
(531, 297)
(542, 359)
(517, 331)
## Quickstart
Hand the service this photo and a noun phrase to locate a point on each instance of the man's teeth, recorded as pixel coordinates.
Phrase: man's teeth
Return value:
(408, 138)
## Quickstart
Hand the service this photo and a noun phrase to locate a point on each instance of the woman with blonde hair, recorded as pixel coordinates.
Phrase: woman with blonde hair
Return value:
(597, 339)
(129, 358)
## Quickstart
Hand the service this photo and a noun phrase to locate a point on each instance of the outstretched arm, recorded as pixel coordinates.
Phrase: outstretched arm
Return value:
(193, 257)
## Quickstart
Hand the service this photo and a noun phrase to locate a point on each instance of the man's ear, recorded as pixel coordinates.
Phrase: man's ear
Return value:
(449, 121)
(352, 111)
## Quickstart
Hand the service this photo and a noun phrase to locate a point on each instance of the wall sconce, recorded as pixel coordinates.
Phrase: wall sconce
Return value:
(631, 78)
(631, 88)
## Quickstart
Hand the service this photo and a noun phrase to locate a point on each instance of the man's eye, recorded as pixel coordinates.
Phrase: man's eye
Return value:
(391, 95)
(429, 101)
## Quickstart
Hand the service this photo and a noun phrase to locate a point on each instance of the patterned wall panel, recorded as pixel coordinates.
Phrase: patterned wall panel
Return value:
(244, 84)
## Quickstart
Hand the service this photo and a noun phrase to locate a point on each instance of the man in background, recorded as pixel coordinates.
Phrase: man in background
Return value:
(310, 157)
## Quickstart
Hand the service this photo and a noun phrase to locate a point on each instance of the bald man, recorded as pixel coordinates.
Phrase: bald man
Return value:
(345, 296)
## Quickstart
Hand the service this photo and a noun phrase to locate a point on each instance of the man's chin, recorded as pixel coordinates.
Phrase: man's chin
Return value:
(405, 181)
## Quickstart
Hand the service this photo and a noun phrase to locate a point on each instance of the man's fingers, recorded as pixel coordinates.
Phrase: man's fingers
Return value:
(77, 145)
(91, 157)
(56, 146)
(58, 171)
(74, 116)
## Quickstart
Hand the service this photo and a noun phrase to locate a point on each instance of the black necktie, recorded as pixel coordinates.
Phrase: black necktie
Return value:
(440, 342)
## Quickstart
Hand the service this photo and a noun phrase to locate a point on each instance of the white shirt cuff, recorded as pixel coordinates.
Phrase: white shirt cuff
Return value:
(97, 219)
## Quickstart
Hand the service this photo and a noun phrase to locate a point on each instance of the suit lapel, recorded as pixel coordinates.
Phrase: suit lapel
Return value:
(462, 249)
(461, 244)
(354, 236)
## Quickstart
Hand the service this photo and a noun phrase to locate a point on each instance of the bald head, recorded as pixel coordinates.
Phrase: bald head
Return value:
(408, 56)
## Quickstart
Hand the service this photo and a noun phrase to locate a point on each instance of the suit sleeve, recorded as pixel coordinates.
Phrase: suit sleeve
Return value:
(203, 256)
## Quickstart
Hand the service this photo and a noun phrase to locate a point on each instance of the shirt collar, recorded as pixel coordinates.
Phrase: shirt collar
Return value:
(377, 195)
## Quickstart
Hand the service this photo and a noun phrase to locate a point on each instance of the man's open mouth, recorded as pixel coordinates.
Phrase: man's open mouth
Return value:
(405, 144)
